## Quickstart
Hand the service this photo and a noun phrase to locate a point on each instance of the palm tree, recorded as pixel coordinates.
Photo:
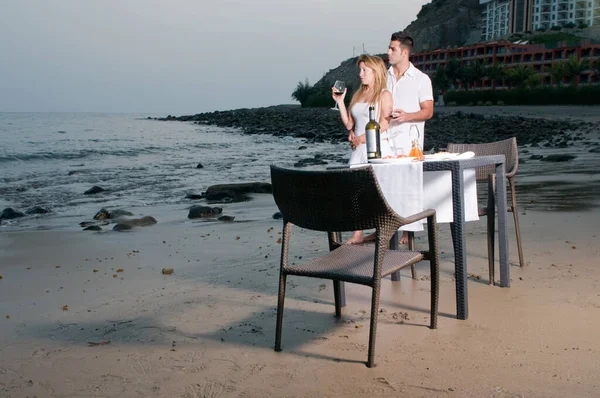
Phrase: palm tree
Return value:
(557, 72)
(521, 76)
(477, 71)
(573, 68)
(453, 71)
(496, 73)
(302, 92)
(440, 80)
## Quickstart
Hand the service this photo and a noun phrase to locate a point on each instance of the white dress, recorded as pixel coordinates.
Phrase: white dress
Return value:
(360, 114)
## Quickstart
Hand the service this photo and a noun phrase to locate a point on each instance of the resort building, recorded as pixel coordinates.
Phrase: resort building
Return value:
(549, 13)
(503, 17)
(509, 55)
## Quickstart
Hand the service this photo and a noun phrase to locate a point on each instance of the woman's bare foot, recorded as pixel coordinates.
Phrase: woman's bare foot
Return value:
(404, 238)
(356, 239)
(370, 237)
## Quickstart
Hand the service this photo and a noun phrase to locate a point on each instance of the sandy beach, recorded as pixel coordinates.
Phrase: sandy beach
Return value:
(90, 314)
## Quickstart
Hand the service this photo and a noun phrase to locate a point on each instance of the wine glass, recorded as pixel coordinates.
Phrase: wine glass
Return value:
(339, 87)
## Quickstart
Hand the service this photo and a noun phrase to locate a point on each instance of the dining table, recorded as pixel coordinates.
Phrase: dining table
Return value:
(447, 185)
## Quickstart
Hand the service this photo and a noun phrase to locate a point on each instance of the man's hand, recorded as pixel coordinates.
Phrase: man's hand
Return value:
(399, 116)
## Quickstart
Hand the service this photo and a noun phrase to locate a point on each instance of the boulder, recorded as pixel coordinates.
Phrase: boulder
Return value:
(37, 210)
(558, 158)
(235, 192)
(103, 214)
(277, 216)
(10, 213)
(193, 196)
(125, 225)
(198, 211)
(94, 190)
(226, 218)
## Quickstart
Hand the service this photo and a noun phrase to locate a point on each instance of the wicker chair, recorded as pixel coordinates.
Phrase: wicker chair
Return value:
(347, 200)
(509, 149)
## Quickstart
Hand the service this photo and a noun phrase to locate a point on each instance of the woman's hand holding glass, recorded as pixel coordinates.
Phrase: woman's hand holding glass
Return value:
(338, 92)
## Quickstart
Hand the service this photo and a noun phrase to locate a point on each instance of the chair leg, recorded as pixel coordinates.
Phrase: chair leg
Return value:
(491, 226)
(338, 297)
(280, 300)
(434, 269)
(412, 246)
(373, 326)
(516, 218)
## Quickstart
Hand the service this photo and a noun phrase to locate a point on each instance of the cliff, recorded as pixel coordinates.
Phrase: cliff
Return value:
(446, 23)
(441, 23)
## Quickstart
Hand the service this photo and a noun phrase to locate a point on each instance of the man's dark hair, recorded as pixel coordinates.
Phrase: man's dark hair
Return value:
(404, 39)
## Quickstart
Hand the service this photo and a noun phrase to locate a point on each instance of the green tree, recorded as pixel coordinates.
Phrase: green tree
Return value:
(453, 71)
(496, 73)
(573, 68)
(520, 76)
(302, 92)
(476, 72)
(557, 72)
(440, 80)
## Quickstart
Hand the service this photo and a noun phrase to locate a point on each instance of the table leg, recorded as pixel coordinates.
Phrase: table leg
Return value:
(394, 243)
(460, 249)
(502, 226)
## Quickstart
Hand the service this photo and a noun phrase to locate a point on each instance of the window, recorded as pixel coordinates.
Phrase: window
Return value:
(571, 15)
(553, 8)
(537, 18)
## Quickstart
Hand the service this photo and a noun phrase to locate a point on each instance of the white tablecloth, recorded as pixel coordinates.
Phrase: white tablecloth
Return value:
(408, 190)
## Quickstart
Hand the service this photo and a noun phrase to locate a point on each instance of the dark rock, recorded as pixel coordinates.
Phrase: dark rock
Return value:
(193, 196)
(199, 166)
(595, 150)
(37, 210)
(93, 228)
(310, 162)
(536, 157)
(226, 218)
(72, 172)
(204, 211)
(93, 223)
(10, 213)
(558, 158)
(125, 225)
(302, 147)
(235, 192)
(112, 214)
(277, 216)
(94, 190)
(122, 227)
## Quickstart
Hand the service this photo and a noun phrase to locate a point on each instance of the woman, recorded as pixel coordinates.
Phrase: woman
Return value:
(372, 92)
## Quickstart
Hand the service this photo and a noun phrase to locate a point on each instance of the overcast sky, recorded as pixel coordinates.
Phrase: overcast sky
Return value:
(180, 56)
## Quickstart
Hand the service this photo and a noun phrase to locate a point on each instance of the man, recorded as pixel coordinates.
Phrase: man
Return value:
(412, 94)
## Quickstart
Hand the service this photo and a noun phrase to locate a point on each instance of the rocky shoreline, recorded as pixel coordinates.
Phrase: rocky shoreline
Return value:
(323, 125)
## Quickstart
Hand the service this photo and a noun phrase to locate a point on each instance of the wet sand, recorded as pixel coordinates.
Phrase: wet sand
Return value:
(207, 330)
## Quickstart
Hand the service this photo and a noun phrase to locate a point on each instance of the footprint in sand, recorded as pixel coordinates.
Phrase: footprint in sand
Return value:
(207, 389)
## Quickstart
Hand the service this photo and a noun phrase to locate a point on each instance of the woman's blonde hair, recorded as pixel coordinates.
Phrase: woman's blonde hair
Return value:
(378, 66)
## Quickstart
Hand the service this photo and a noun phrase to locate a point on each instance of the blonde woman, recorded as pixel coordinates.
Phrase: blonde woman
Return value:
(372, 92)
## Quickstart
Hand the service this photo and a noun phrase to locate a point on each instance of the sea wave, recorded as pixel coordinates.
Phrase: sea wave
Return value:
(84, 153)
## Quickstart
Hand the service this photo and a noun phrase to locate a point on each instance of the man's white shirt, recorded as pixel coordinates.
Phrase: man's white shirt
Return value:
(408, 92)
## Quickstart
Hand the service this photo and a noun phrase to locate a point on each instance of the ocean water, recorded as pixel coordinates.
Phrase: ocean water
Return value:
(51, 159)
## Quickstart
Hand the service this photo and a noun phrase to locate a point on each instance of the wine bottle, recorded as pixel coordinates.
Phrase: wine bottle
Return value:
(373, 136)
